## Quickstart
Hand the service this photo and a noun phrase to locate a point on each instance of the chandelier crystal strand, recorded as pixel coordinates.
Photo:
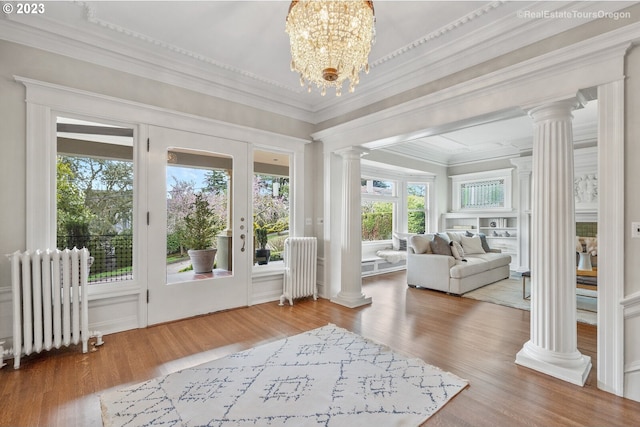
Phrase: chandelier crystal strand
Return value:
(330, 41)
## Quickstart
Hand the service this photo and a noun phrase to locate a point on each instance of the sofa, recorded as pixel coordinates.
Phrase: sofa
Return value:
(454, 262)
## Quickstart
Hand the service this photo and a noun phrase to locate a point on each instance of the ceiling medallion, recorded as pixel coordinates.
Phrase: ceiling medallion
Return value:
(330, 41)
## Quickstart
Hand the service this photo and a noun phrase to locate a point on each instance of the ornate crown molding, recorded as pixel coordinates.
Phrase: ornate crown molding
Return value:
(91, 17)
(439, 32)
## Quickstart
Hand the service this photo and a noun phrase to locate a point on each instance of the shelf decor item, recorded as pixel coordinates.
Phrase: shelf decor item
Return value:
(492, 224)
(584, 262)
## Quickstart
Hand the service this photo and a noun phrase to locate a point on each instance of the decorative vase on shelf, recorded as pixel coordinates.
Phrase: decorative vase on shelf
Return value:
(584, 263)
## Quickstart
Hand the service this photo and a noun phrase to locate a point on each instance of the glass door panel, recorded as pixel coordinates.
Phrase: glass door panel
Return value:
(204, 177)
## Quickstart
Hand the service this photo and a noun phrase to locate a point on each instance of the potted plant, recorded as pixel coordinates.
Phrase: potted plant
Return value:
(262, 253)
(201, 226)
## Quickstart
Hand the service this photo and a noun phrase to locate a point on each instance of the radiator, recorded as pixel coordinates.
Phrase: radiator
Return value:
(50, 307)
(300, 268)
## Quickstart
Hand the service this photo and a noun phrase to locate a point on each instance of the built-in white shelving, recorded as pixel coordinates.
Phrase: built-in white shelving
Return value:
(501, 229)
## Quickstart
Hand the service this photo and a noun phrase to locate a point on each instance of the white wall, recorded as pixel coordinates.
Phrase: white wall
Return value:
(632, 213)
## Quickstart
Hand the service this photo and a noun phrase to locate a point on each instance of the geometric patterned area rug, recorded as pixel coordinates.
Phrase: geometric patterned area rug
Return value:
(508, 292)
(326, 377)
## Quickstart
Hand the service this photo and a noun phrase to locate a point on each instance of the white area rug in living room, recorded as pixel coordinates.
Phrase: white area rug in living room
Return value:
(508, 292)
(326, 377)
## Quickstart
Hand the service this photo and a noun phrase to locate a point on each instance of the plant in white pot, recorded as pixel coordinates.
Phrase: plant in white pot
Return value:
(201, 226)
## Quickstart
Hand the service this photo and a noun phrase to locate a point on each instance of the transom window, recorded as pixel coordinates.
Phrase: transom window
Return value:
(489, 190)
(482, 194)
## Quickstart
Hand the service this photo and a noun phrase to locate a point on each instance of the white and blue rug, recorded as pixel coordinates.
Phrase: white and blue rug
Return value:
(326, 377)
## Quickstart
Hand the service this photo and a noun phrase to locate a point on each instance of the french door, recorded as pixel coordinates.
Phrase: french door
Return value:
(181, 165)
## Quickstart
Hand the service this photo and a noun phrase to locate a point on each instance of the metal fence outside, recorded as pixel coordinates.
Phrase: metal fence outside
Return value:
(112, 255)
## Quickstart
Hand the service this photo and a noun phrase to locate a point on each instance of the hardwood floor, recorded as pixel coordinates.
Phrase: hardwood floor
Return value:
(472, 339)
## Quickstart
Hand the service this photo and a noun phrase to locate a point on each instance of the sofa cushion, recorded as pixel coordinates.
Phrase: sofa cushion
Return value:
(472, 245)
(454, 236)
(494, 259)
(420, 244)
(483, 239)
(440, 246)
(478, 263)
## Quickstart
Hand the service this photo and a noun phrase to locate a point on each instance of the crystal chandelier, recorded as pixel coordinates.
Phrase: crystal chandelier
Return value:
(330, 41)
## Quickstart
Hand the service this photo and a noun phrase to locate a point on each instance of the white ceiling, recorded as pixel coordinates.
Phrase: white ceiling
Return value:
(494, 139)
(239, 50)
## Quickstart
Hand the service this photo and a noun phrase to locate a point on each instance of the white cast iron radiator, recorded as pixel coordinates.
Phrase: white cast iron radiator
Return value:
(50, 307)
(300, 268)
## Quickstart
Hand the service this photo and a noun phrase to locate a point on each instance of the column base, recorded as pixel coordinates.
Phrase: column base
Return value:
(574, 368)
(351, 301)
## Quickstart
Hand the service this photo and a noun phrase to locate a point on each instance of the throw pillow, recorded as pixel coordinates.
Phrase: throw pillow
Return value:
(440, 246)
(456, 250)
(472, 245)
(402, 245)
(420, 244)
(483, 239)
(444, 236)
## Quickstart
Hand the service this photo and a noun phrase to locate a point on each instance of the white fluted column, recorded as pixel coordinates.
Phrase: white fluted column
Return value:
(552, 348)
(350, 294)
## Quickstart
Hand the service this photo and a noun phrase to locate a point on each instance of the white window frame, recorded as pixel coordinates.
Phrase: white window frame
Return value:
(458, 180)
(429, 203)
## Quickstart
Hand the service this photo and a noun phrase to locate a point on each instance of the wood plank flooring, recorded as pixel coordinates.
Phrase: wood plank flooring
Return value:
(472, 339)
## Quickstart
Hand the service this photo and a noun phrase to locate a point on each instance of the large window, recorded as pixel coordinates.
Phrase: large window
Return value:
(402, 205)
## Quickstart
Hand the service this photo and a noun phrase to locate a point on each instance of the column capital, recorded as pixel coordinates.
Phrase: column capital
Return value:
(352, 152)
(557, 108)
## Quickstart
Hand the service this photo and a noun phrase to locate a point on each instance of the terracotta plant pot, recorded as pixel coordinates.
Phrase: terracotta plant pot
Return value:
(202, 259)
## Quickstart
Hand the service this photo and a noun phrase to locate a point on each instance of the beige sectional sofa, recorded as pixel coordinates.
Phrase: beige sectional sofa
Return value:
(469, 265)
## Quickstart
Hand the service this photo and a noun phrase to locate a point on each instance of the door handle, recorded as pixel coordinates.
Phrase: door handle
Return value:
(244, 241)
